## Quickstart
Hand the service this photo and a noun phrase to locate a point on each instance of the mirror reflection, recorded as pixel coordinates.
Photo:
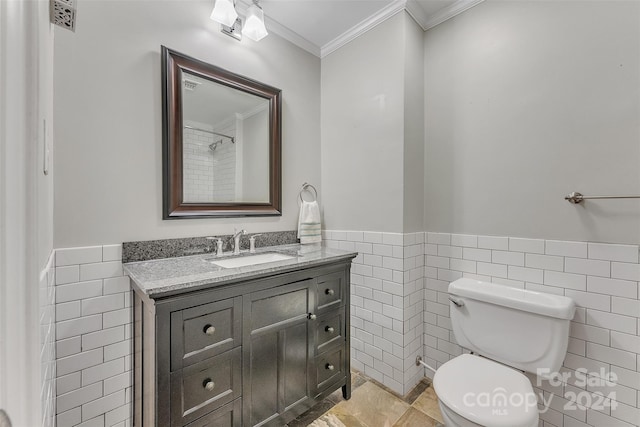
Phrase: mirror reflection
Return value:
(225, 143)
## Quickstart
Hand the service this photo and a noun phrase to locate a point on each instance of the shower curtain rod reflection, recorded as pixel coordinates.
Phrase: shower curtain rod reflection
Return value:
(232, 138)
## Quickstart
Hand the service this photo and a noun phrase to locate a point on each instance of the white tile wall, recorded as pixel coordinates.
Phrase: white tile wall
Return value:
(603, 281)
(387, 282)
(209, 176)
(94, 346)
(47, 301)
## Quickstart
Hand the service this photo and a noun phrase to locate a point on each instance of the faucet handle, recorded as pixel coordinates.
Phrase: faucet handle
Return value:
(252, 242)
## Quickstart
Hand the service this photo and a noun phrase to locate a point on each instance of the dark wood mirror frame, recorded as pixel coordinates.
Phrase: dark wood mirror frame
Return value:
(174, 206)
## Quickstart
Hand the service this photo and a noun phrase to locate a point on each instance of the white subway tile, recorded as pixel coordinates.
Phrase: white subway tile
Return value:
(577, 346)
(102, 338)
(79, 326)
(508, 282)
(626, 306)
(590, 300)
(102, 304)
(509, 258)
(430, 249)
(116, 350)
(544, 262)
(473, 254)
(495, 270)
(626, 413)
(439, 238)
(338, 235)
(612, 321)
(102, 371)
(589, 267)
(437, 261)
(347, 246)
(68, 274)
(364, 248)
(100, 270)
(625, 342)
(611, 252)
(78, 397)
(565, 280)
(563, 248)
(575, 362)
(598, 419)
(372, 237)
(610, 355)
(382, 273)
(77, 291)
(626, 377)
(67, 347)
(373, 260)
(448, 275)
(625, 271)
(117, 415)
(111, 253)
(466, 240)
(493, 242)
(525, 274)
(532, 246)
(398, 251)
(114, 285)
(463, 265)
(104, 404)
(393, 239)
(620, 288)
(82, 255)
(449, 251)
(76, 363)
(67, 383)
(355, 236)
(69, 418)
(393, 263)
(589, 333)
(67, 310)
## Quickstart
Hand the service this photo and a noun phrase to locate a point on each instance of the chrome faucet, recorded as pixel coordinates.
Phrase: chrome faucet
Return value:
(236, 241)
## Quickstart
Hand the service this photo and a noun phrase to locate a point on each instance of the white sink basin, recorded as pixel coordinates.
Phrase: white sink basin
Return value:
(244, 261)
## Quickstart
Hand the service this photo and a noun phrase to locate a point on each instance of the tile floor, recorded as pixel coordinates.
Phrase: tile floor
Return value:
(373, 405)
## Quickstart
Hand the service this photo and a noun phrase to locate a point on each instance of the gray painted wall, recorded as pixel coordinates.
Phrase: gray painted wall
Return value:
(363, 130)
(108, 118)
(526, 102)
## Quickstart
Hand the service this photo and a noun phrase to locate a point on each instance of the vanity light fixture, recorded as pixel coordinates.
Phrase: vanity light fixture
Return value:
(254, 27)
(224, 12)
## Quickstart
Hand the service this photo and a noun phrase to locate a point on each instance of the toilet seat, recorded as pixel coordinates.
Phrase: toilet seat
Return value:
(486, 392)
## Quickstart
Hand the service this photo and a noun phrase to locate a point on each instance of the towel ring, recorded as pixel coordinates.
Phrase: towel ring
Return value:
(308, 187)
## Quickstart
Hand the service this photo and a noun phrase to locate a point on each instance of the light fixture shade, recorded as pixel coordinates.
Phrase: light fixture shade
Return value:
(224, 12)
(254, 24)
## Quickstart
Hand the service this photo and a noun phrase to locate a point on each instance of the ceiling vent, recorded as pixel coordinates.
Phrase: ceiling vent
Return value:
(63, 14)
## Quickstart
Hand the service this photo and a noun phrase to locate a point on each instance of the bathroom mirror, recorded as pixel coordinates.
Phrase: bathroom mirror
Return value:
(221, 141)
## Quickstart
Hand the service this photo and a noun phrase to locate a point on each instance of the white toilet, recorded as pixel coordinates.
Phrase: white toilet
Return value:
(501, 325)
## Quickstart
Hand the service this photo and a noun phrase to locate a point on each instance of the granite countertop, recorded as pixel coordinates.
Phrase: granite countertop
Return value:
(170, 276)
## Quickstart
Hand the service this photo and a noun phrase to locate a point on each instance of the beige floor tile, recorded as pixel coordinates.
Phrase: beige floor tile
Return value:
(428, 403)
(415, 418)
(370, 406)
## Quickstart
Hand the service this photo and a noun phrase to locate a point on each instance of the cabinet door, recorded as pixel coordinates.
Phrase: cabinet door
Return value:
(278, 351)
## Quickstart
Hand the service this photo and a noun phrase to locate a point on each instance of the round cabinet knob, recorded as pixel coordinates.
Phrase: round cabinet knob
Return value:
(312, 316)
(329, 366)
(209, 329)
(329, 329)
(208, 384)
(329, 291)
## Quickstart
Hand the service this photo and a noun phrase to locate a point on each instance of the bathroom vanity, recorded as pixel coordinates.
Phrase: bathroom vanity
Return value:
(248, 345)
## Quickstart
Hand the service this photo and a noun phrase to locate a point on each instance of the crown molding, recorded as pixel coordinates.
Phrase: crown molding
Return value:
(449, 12)
(362, 27)
(412, 7)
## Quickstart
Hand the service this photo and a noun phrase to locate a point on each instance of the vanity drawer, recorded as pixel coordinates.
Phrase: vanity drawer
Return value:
(230, 415)
(330, 290)
(329, 368)
(205, 331)
(329, 331)
(205, 386)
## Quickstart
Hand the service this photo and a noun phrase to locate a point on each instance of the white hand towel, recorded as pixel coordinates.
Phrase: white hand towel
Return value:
(309, 227)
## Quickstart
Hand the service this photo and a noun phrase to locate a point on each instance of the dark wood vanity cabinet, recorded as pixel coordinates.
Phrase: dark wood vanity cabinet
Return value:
(256, 352)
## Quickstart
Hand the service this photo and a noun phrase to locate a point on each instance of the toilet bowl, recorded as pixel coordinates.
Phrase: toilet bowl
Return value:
(474, 391)
(510, 330)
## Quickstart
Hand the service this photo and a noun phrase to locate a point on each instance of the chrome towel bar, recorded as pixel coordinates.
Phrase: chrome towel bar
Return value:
(575, 197)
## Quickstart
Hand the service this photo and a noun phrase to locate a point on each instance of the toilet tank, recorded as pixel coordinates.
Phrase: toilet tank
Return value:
(521, 328)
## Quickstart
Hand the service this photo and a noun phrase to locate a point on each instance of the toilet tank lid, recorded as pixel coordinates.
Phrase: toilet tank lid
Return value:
(544, 304)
